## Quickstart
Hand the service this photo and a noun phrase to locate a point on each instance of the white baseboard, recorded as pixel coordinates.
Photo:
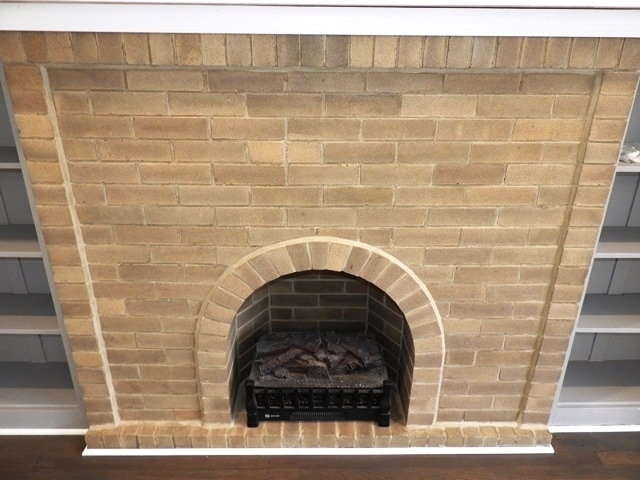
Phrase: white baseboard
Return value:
(160, 452)
(593, 428)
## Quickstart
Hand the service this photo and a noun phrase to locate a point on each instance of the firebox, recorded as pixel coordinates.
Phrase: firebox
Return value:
(318, 376)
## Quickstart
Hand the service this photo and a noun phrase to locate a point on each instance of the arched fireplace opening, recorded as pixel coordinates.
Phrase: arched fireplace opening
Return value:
(325, 301)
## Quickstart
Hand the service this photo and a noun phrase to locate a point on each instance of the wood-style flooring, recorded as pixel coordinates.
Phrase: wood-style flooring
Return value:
(577, 457)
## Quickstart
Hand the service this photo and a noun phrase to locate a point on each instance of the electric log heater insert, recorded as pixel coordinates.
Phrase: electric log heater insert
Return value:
(318, 376)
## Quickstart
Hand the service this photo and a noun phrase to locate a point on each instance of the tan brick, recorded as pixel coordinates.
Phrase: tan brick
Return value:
(549, 130)
(428, 152)
(404, 83)
(361, 51)
(312, 50)
(34, 126)
(179, 254)
(430, 196)
(249, 175)
(143, 235)
(508, 52)
(70, 102)
(170, 127)
(301, 217)
(417, 129)
(362, 152)
(209, 151)
(242, 128)
(435, 52)
(238, 50)
(266, 152)
(410, 50)
(539, 174)
(462, 216)
(164, 80)
(303, 152)
(438, 106)
(362, 105)
(474, 83)
(571, 83)
(11, 49)
(501, 196)
(385, 51)
(29, 102)
(608, 52)
(213, 236)
(263, 50)
(35, 48)
(474, 129)
(39, 150)
(459, 52)
(506, 152)
(393, 217)
(23, 77)
(166, 215)
(554, 195)
(85, 47)
(122, 215)
(59, 47)
(89, 172)
(141, 195)
(129, 103)
(394, 175)
(618, 83)
(285, 196)
(136, 48)
(531, 216)
(484, 52)
(583, 52)
(630, 57)
(610, 106)
(244, 81)
(337, 50)
(560, 152)
(518, 106)
(571, 106)
(79, 149)
(344, 196)
(322, 175)
(141, 150)
(214, 195)
(284, 105)
(288, 50)
(44, 172)
(558, 51)
(93, 126)
(170, 174)
(323, 129)
(188, 49)
(161, 49)
(603, 130)
(258, 216)
(213, 49)
(470, 175)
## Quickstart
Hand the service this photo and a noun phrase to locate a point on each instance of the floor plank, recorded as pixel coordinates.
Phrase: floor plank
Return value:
(576, 457)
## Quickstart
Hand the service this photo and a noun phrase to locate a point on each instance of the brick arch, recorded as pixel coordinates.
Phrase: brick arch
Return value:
(215, 335)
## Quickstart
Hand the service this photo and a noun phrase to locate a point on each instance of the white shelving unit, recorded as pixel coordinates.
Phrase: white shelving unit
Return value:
(600, 386)
(38, 389)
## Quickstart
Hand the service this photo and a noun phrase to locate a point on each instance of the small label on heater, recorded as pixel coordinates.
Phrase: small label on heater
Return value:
(267, 415)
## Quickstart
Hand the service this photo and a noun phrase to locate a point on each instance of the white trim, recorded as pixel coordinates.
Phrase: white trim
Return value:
(41, 431)
(593, 428)
(170, 452)
(328, 20)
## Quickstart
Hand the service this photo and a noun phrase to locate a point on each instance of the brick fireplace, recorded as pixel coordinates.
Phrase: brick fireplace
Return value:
(177, 177)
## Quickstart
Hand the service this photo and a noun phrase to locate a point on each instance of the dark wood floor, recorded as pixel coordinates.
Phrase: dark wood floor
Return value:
(577, 457)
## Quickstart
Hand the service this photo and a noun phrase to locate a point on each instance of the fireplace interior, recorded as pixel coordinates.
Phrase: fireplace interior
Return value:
(324, 305)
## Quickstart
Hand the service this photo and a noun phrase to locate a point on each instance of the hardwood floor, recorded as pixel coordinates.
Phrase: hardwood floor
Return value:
(577, 457)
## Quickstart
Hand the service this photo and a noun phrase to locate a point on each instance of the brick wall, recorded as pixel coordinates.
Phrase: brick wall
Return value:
(481, 165)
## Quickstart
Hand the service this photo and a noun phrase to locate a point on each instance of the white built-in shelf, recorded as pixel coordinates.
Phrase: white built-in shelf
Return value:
(32, 314)
(9, 158)
(35, 385)
(628, 167)
(607, 383)
(19, 241)
(610, 314)
(619, 242)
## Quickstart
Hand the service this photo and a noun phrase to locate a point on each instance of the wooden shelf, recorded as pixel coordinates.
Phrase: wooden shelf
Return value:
(19, 241)
(619, 242)
(610, 314)
(9, 158)
(608, 383)
(31, 314)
